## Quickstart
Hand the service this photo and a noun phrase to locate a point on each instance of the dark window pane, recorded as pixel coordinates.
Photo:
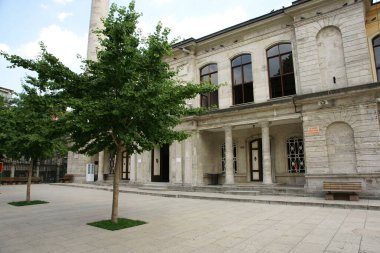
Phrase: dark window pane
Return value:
(238, 94)
(276, 90)
(378, 74)
(285, 48)
(204, 100)
(214, 99)
(377, 56)
(213, 68)
(204, 71)
(204, 78)
(237, 76)
(214, 78)
(274, 67)
(287, 63)
(248, 92)
(273, 51)
(247, 73)
(376, 41)
(246, 58)
(289, 85)
(236, 61)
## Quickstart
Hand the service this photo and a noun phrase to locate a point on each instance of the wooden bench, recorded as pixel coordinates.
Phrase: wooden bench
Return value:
(18, 180)
(334, 189)
(67, 178)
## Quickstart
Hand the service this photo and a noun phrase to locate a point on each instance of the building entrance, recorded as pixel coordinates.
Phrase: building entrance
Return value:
(256, 161)
(160, 164)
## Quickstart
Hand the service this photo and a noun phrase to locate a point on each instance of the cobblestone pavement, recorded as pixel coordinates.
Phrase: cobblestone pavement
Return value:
(177, 224)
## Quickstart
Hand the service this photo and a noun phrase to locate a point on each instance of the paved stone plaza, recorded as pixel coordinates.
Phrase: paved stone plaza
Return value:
(178, 225)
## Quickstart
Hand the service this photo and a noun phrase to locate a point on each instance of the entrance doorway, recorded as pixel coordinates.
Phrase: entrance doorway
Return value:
(256, 161)
(125, 172)
(160, 164)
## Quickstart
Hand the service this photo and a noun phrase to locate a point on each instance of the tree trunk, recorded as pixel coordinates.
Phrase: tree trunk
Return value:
(116, 180)
(30, 172)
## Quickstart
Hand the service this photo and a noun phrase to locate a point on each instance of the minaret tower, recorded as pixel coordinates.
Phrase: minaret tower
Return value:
(99, 10)
(76, 163)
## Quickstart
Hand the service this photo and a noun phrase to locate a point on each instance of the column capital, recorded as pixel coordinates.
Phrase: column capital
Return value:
(227, 127)
(263, 124)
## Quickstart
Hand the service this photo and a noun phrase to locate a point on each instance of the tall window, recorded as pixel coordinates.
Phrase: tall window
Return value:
(209, 74)
(376, 52)
(281, 73)
(223, 148)
(296, 161)
(242, 79)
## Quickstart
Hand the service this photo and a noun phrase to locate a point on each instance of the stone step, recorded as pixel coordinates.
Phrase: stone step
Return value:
(251, 193)
(146, 188)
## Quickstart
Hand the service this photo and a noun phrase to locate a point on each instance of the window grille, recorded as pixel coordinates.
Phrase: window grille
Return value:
(296, 161)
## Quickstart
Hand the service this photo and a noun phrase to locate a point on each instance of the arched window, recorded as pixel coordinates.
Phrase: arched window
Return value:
(209, 73)
(242, 84)
(281, 73)
(376, 53)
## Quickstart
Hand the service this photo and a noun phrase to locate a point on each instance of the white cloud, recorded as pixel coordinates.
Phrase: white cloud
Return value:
(62, 1)
(63, 15)
(4, 47)
(64, 44)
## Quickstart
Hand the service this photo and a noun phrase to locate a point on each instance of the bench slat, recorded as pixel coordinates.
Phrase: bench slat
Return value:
(342, 186)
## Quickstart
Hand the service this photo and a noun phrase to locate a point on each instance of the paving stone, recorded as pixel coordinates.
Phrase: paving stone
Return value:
(178, 225)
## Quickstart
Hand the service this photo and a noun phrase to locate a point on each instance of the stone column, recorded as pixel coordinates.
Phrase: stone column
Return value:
(197, 161)
(267, 166)
(187, 169)
(178, 162)
(38, 169)
(229, 156)
(101, 167)
(12, 169)
(132, 175)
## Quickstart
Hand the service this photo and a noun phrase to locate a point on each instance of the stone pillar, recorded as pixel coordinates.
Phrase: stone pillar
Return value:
(38, 169)
(229, 156)
(101, 167)
(99, 9)
(13, 169)
(132, 175)
(267, 166)
(197, 161)
(178, 162)
(187, 173)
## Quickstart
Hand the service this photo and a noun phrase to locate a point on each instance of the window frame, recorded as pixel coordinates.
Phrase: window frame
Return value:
(377, 69)
(282, 74)
(209, 94)
(243, 83)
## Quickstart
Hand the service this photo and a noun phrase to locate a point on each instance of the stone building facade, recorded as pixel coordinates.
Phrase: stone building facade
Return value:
(297, 104)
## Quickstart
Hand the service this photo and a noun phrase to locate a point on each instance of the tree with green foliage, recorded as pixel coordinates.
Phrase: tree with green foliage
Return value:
(128, 99)
(28, 131)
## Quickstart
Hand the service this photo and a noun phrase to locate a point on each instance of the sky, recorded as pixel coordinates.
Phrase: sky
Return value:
(62, 25)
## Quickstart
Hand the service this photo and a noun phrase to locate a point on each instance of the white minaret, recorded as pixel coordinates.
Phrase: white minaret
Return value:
(99, 10)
